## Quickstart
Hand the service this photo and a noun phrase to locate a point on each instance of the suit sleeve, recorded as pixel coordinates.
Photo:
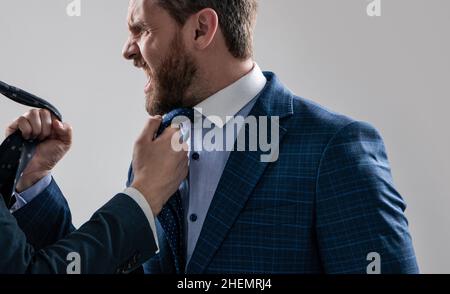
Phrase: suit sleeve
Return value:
(117, 239)
(47, 218)
(359, 214)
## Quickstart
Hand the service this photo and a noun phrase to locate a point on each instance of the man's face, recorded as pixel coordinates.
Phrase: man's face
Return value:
(156, 45)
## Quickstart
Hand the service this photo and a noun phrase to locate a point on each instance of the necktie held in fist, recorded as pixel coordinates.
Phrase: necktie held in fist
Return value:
(171, 216)
(16, 152)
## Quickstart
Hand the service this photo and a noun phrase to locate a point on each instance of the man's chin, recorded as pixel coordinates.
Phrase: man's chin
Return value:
(149, 106)
(154, 108)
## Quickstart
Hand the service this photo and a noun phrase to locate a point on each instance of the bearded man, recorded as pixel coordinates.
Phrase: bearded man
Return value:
(324, 205)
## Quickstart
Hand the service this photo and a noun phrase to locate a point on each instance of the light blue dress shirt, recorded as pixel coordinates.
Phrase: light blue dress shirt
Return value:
(206, 167)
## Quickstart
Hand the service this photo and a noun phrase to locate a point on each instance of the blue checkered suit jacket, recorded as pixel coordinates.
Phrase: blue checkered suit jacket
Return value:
(325, 204)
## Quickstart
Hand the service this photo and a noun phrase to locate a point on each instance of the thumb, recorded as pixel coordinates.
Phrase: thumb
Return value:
(12, 128)
(151, 128)
(63, 131)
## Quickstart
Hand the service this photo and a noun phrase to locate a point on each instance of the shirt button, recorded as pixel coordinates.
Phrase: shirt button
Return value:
(195, 156)
(193, 217)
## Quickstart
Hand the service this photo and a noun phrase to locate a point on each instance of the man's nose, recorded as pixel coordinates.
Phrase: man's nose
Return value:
(130, 50)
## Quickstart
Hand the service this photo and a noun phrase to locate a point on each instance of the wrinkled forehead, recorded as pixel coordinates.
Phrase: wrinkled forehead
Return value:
(138, 10)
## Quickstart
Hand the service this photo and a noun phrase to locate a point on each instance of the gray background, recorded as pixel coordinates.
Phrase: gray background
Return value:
(392, 71)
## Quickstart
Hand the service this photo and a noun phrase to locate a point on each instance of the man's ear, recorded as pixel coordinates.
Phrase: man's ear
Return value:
(206, 23)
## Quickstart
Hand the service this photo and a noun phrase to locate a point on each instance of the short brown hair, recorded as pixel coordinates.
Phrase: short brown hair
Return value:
(237, 20)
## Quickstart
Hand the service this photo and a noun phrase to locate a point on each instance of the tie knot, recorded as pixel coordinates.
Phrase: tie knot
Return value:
(176, 114)
(186, 112)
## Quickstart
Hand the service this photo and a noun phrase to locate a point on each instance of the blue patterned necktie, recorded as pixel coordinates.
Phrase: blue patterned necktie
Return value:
(16, 152)
(171, 216)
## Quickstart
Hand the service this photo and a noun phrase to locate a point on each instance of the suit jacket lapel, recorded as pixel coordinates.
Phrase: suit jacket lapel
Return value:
(241, 175)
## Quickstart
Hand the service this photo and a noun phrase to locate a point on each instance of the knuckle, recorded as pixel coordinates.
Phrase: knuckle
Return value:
(23, 124)
(154, 120)
(45, 114)
(27, 115)
(34, 112)
(139, 141)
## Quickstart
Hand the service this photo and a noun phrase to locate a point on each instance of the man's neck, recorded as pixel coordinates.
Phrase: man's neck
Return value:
(222, 76)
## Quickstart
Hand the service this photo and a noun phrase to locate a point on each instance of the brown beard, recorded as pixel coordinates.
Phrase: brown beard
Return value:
(171, 81)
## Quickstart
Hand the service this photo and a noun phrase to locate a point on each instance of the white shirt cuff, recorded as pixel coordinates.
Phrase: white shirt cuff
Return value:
(143, 204)
(25, 197)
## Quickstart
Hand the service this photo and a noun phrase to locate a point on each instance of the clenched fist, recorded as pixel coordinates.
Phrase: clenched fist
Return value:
(158, 168)
(55, 139)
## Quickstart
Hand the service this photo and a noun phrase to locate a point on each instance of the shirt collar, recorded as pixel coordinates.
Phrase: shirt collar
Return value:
(225, 104)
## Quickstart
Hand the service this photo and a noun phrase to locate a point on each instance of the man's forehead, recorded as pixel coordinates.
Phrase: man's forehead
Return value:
(138, 9)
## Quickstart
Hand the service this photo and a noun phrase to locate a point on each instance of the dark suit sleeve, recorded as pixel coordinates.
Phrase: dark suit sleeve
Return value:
(358, 210)
(46, 219)
(117, 239)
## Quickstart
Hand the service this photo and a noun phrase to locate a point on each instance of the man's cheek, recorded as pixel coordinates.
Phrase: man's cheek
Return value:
(151, 54)
(143, 50)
